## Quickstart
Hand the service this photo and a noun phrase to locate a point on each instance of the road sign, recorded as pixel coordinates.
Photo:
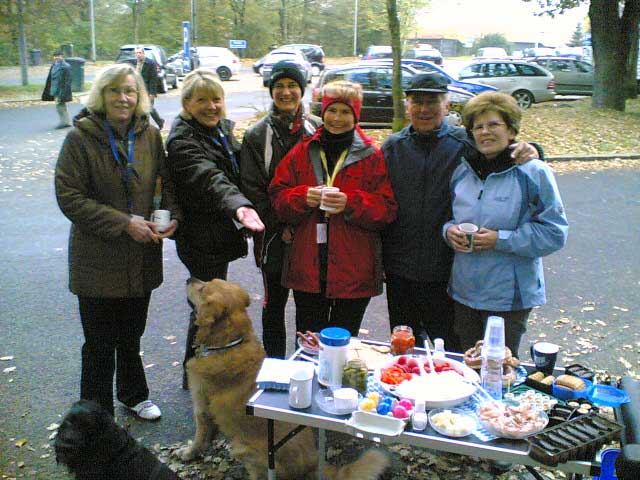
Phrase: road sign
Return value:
(186, 46)
(237, 44)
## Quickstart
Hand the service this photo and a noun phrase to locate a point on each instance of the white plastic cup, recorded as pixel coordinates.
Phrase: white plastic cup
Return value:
(161, 218)
(345, 398)
(300, 388)
(469, 230)
(322, 205)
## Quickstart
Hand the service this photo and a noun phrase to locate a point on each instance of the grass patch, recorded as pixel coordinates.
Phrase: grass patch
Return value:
(10, 91)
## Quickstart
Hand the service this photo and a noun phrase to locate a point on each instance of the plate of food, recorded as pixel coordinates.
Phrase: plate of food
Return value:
(511, 421)
(512, 373)
(452, 422)
(309, 342)
(410, 377)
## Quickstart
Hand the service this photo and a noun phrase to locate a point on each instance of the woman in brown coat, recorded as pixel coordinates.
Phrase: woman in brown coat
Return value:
(109, 178)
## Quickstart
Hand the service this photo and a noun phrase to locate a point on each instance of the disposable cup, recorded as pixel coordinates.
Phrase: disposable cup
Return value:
(161, 218)
(544, 356)
(469, 230)
(322, 205)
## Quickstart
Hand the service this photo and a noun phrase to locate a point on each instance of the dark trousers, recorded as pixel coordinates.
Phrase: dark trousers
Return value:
(217, 271)
(112, 329)
(314, 312)
(425, 307)
(470, 324)
(274, 332)
(155, 115)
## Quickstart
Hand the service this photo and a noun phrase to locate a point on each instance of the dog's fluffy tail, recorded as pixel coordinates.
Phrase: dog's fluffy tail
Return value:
(369, 466)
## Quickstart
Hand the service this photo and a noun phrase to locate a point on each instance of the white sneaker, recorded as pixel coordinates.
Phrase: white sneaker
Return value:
(146, 410)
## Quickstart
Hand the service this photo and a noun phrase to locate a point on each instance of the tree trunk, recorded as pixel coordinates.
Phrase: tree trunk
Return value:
(631, 81)
(283, 21)
(396, 48)
(611, 39)
(135, 16)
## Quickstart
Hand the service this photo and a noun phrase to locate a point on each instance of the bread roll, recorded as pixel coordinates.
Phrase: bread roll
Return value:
(537, 376)
(570, 382)
(548, 380)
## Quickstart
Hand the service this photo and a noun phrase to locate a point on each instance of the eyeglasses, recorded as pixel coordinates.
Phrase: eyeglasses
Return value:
(128, 91)
(491, 126)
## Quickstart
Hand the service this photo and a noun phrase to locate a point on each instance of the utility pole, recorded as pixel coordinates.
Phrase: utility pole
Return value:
(23, 44)
(93, 31)
(355, 31)
(194, 24)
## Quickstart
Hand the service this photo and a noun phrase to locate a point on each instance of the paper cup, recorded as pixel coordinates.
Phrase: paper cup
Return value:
(161, 218)
(322, 205)
(469, 230)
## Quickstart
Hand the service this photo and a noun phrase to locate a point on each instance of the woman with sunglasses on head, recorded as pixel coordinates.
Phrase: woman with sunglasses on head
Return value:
(203, 164)
(520, 216)
(109, 178)
(334, 266)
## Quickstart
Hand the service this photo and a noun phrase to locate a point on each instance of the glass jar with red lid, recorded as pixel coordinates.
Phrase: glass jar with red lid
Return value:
(402, 340)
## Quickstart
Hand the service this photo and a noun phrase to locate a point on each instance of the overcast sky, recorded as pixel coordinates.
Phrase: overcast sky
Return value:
(468, 19)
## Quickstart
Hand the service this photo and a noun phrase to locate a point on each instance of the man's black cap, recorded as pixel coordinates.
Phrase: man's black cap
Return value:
(428, 83)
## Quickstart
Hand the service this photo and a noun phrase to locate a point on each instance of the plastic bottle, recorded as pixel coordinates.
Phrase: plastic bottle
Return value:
(419, 419)
(334, 343)
(438, 349)
(492, 357)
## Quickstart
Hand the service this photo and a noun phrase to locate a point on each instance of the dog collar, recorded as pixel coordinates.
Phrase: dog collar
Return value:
(205, 351)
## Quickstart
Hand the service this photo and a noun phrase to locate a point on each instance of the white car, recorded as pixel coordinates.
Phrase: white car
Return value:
(528, 83)
(294, 56)
(219, 59)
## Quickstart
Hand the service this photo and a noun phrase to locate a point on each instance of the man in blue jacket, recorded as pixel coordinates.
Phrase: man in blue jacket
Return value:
(417, 262)
(58, 88)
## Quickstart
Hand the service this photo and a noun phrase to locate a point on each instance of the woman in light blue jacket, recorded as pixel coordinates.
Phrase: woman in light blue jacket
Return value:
(520, 216)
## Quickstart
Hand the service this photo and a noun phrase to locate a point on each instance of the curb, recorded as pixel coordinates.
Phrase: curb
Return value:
(588, 158)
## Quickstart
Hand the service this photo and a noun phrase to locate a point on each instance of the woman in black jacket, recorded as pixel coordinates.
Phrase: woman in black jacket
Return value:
(203, 163)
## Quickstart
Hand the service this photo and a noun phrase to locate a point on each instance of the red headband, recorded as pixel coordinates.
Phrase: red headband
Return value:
(355, 104)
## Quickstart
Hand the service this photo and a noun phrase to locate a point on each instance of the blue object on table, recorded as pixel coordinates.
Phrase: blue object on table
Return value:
(567, 394)
(607, 396)
(608, 464)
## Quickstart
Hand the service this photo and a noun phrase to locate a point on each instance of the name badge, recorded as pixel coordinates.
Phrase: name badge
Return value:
(321, 233)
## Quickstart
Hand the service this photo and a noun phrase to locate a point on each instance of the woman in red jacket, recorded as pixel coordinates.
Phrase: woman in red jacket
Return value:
(334, 265)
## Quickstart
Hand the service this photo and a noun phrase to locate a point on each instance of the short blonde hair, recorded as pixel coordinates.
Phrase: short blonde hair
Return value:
(110, 77)
(343, 89)
(497, 102)
(203, 80)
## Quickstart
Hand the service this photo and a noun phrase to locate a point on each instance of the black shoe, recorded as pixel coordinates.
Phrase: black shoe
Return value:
(185, 381)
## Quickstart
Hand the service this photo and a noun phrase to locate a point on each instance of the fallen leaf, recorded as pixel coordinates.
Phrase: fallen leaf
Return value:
(22, 442)
(622, 309)
(8, 357)
(624, 362)
(53, 426)
(170, 337)
(149, 366)
(600, 322)
(8, 369)
(588, 309)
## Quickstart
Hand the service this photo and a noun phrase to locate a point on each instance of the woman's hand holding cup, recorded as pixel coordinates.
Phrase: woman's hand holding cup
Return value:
(314, 194)
(458, 239)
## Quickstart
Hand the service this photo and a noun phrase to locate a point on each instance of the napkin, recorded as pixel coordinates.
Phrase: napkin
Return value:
(275, 373)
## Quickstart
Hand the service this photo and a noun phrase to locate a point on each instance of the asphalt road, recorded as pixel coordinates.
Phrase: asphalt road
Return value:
(593, 288)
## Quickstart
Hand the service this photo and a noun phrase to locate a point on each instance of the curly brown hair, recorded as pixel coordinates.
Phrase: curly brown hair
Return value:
(500, 103)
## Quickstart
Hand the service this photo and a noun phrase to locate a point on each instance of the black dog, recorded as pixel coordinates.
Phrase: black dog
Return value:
(94, 447)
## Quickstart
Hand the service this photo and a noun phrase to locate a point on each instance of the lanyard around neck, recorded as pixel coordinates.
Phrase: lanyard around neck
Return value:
(126, 170)
(331, 177)
(227, 147)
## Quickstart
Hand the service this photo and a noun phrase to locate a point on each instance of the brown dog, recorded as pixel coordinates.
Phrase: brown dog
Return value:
(222, 378)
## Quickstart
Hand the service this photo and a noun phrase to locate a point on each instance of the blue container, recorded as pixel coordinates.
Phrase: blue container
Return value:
(608, 464)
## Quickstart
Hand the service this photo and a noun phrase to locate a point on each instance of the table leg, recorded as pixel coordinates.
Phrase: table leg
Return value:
(271, 451)
(322, 451)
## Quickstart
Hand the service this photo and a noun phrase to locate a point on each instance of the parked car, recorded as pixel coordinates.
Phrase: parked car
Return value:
(176, 62)
(491, 52)
(220, 60)
(428, 67)
(377, 51)
(314, 54)
(158, 54)
(538, 52)
(573, 77)
(278, 55)
(528, 83)
(429, 54)
(377, 102)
